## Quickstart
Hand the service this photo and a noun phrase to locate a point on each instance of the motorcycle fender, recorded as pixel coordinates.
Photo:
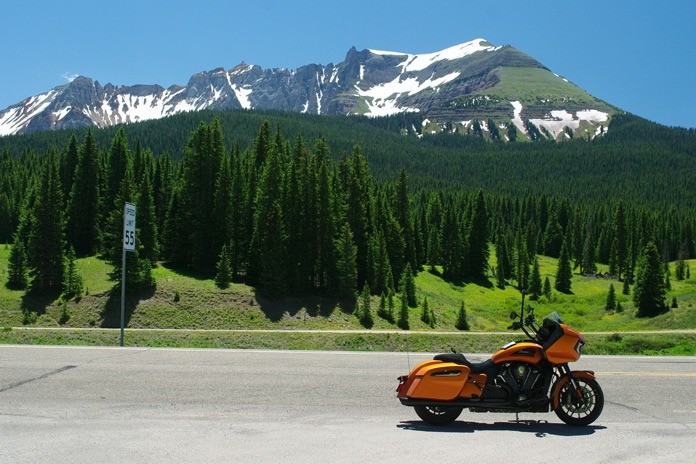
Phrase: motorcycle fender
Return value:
(442, 381)
(556, 391)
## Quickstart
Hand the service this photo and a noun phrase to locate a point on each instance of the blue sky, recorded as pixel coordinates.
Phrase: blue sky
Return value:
(637, 55)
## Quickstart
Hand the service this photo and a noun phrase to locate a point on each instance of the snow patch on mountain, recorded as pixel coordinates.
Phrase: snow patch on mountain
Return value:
(242, 95)
(60, 114)
(17, 117)
(383, 98)
(558, 120)
(592, 116)
(420, 62)
(517, 116)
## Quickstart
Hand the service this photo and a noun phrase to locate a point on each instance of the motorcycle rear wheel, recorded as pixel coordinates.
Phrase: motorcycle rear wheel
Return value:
(580, 411)
(438, 415)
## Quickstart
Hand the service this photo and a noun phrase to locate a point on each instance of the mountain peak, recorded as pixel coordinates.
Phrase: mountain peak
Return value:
(473, 80)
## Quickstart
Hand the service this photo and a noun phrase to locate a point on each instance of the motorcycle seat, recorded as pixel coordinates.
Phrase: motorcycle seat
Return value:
(459, 358)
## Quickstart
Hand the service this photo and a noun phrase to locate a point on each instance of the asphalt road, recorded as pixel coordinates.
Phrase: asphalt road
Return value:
(62, 404)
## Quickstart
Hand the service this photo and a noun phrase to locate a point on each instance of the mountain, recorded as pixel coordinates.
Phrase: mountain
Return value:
(460, 89)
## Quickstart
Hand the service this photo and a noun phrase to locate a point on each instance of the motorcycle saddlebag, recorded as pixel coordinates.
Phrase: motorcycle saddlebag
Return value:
(440, 381)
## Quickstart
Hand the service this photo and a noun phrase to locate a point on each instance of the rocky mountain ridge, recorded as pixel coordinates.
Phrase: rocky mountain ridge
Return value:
(465, 88)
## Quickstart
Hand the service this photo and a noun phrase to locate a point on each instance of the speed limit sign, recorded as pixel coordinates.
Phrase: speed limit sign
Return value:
(129, 227)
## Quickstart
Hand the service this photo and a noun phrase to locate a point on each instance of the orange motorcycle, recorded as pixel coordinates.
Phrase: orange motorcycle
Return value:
(524, 376)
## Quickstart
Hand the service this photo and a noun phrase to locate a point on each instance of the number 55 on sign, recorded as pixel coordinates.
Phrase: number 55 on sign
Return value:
(129, 227)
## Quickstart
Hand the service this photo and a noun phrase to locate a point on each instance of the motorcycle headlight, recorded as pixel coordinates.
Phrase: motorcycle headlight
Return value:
(578, 346)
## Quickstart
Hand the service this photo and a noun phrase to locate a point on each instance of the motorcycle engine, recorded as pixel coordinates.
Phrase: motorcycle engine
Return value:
(522, 380)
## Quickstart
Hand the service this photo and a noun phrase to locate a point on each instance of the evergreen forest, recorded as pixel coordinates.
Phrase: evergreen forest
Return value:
(307, 205)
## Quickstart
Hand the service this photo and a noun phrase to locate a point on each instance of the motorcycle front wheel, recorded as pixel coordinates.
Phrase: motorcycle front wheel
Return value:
(579, 411)
(438, 415)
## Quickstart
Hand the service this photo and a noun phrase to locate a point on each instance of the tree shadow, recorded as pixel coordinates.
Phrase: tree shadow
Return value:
(312, 305)
(480, 281)
(38, 302)
(111, 313)
(540, 428)
(185, 272)
(464, 281)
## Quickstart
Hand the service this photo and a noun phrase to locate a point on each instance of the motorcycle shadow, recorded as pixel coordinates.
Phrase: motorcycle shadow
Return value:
(539, 428)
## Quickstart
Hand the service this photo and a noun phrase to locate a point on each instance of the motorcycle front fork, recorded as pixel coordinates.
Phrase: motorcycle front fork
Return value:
(564, 370)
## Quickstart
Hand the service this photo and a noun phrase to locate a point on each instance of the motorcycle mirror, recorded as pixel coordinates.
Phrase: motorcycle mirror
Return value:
(513, 315)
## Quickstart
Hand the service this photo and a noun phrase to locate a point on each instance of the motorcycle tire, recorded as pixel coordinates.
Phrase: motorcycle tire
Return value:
(584, 411)
(438, 415)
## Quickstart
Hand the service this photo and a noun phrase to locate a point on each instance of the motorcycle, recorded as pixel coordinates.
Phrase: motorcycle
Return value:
(530, 375)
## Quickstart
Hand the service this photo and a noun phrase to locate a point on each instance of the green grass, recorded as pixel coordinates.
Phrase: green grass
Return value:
(202, 305)
(638, 344)
(527, 84)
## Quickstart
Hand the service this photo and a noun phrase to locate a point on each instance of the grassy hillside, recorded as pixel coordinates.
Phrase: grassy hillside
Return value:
(540, 86)
(192, 302)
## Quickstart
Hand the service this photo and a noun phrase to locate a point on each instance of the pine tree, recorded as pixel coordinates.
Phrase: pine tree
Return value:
(46, 243)
(408, 286)
(611, 299)
(391, 310)
(619, 308)
(64, 315)
(649, 290)
(626, 287)
(224, 273)
(346, 271)
(511, 132)
(477, 239)
(680, 268)
(402, 323)
(403, 216)
(451, 251)
(576, 238)
(83, 205)
(269, 237)
(674, 302)
(380, 272)
(588, 266)
(535, 281)
(564, 273)
(326, 221)
(118, 160)
(547, 288)
(499, 277)
(222, 204)
(382, 311)
(553, 237)
(197, 185)
(17, 266)
(72, 282)
(462, 321)
(68, 165)
(147, 221)
(522, 264)
(621, 237)
(425, 313)
(668, 283)
(357, 184)
(365, 309)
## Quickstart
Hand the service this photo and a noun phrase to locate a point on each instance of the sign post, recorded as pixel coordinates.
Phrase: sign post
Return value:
(128, 245)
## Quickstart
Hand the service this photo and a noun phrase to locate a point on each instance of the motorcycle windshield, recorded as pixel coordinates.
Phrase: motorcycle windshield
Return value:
(554, 316)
